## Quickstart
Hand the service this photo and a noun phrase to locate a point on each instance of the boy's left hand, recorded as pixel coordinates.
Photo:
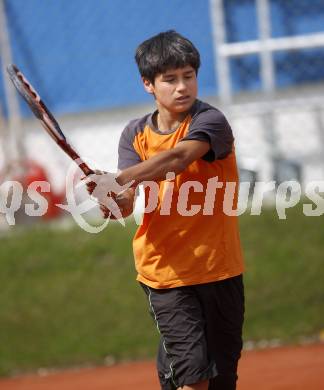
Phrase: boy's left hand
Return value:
(123, 202)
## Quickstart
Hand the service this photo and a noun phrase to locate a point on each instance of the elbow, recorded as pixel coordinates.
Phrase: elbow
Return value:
(179, 161)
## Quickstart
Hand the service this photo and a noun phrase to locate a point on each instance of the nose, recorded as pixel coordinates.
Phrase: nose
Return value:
(181, 86)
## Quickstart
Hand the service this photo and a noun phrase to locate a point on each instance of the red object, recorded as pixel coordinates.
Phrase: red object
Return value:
(33, 171)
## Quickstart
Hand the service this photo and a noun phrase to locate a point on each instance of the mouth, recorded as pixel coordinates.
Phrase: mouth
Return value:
(183, 99)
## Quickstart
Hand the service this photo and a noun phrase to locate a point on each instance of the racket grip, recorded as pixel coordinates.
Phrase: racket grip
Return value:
(85, 168)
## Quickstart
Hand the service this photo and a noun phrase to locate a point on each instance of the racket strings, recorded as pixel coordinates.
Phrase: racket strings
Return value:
(46, 118)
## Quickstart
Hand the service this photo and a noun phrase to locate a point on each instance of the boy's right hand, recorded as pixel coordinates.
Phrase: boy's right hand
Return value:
(115, 200)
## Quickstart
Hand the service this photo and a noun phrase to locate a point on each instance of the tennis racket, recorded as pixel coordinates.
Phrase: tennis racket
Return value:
(45, 116)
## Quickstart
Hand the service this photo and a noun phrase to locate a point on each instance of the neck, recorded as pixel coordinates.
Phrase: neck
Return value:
(167, 120)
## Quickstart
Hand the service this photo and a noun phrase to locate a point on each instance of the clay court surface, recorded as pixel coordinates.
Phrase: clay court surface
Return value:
(294, 368)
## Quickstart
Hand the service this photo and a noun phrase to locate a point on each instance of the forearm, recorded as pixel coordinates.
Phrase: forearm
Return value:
(155, 168)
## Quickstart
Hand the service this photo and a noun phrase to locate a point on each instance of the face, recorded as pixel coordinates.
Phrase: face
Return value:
(175, 90)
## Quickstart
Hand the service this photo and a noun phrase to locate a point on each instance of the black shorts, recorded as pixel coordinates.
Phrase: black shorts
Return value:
(201, 333)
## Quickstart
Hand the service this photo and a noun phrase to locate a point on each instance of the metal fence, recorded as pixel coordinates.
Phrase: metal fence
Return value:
(269, 61)
(262, 63)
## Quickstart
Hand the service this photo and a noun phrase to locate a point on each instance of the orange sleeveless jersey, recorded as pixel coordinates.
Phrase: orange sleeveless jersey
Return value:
(187, 238)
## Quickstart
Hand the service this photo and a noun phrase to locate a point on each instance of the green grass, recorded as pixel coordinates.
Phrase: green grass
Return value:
(70, 298)
(285, 275)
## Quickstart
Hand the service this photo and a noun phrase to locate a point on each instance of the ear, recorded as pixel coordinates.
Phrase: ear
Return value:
(148, 86)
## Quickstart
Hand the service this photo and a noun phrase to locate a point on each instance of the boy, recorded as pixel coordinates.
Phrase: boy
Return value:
(187, 250)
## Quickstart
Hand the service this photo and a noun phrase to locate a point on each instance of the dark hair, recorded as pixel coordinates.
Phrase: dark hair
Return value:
(167, 50)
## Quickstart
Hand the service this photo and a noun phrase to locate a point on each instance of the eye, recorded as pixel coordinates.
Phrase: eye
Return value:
(169, 80)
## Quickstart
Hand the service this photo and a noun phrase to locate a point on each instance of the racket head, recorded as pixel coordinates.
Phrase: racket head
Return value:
(38, 107)
(33, 99)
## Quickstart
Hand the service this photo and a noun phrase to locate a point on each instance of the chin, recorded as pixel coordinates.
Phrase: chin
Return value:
(182, 107)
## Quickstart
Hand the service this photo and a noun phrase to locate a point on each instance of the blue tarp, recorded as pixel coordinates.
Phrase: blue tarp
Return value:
(79, 54)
